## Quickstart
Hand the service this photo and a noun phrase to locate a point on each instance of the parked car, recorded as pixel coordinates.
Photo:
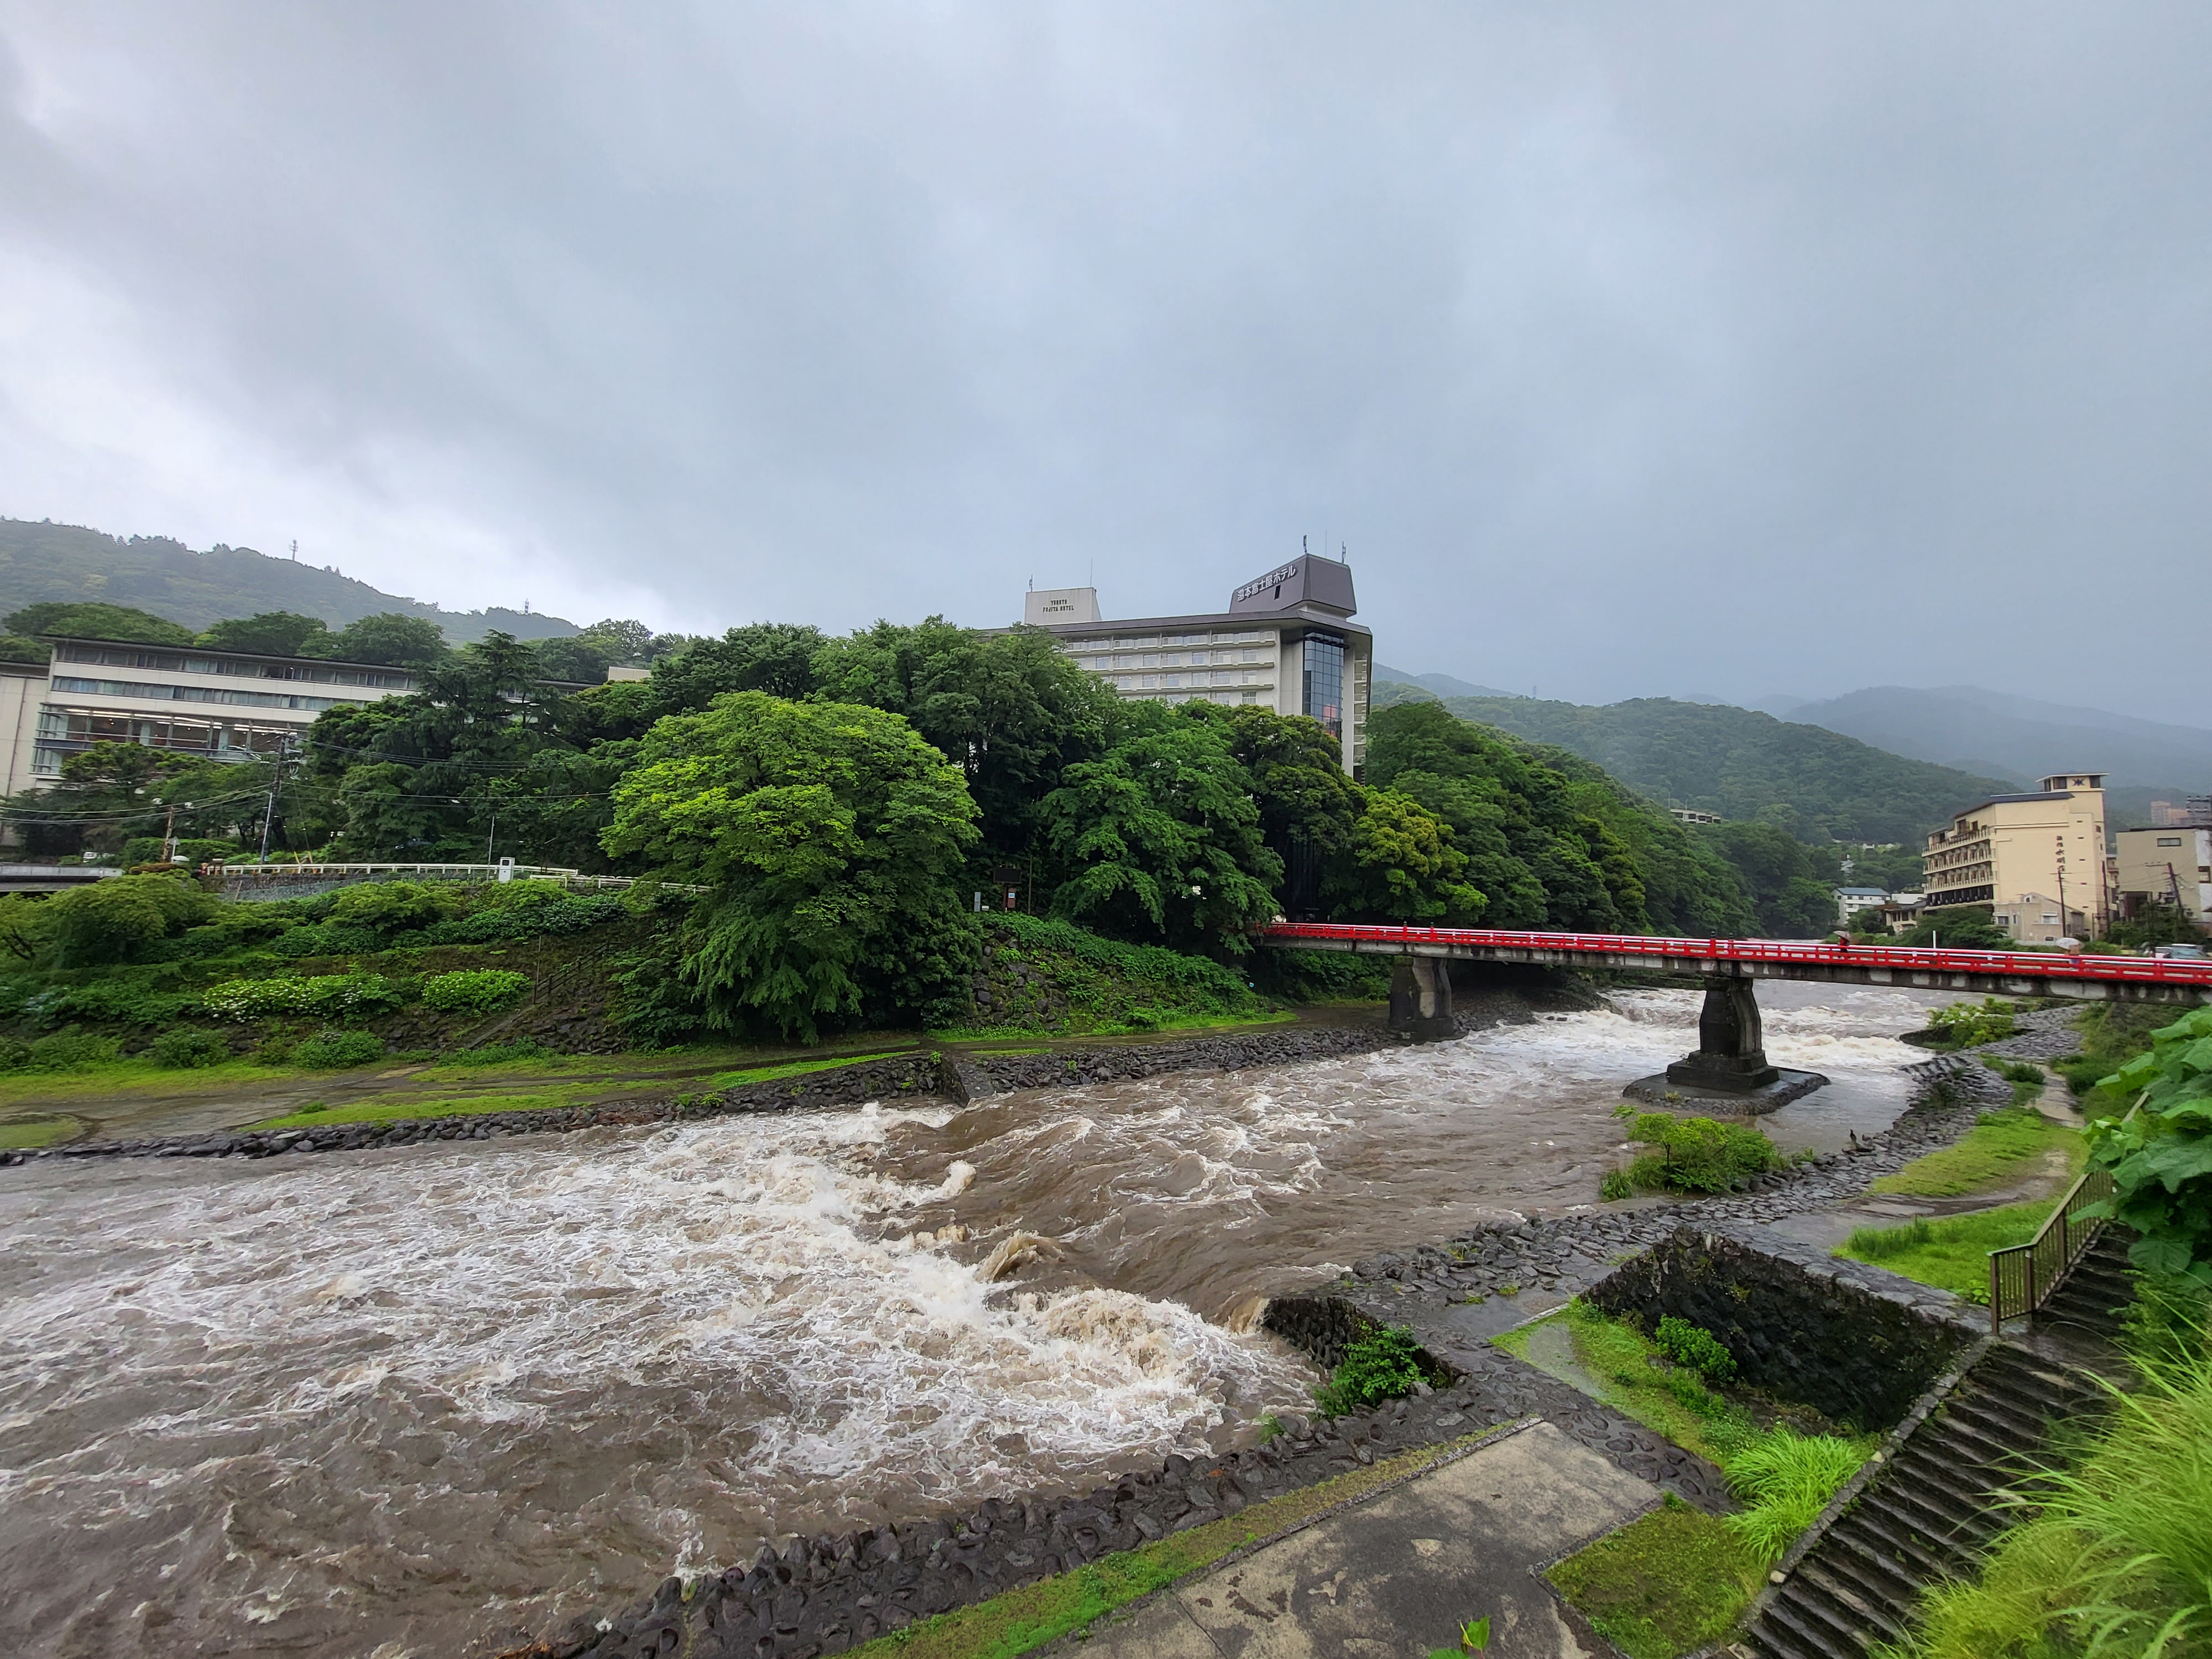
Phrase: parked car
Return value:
(2180, 952)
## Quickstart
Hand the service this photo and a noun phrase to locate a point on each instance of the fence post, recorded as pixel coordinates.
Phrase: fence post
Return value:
(1997, 1296)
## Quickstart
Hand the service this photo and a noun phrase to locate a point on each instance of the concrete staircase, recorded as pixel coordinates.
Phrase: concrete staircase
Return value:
(1933, 1508)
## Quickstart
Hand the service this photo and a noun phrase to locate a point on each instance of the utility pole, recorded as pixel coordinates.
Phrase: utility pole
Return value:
(2064, 930)
(276, 778)
(493, 831)
(169, 836)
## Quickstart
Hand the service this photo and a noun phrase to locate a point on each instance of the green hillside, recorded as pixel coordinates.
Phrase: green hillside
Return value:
(1736, 763)
(47, 563)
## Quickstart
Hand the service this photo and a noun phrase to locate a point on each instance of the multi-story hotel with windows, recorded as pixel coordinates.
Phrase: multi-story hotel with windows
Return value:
(2014, 851)
(224, 705)
(1286, 642)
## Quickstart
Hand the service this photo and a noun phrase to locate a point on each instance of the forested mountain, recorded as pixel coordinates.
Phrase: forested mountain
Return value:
(1440, 685)
(43, 562)
(1992, 733)
(1737, 763)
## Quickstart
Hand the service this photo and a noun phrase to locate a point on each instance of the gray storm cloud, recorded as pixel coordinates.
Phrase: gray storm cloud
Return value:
(1630, 350)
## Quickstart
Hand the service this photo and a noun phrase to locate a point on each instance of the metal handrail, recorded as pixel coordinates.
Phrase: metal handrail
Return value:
(2024, 1277)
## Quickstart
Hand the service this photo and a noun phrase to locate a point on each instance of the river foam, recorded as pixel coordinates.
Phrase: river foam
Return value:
(363, 1396)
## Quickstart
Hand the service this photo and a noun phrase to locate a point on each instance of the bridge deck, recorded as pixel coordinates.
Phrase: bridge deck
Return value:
(2015, 973)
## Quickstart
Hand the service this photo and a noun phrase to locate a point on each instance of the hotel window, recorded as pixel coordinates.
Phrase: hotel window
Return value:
(1323, 697)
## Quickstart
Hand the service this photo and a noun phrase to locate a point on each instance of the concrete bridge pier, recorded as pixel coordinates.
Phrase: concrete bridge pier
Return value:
(1421, 1000)
(1731, 1053)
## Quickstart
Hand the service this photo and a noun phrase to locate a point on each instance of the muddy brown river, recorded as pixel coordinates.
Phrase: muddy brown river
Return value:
(434, 1399)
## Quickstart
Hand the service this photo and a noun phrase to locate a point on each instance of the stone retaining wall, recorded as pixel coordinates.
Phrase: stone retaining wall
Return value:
(1806, 1327)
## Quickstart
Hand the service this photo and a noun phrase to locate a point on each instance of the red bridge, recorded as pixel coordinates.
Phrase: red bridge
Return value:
(1730, 1058)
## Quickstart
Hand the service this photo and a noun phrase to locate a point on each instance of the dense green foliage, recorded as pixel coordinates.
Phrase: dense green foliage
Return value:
(1695, 1154)
(1736, 763)
(1791, 885)
(1379, 1366)
(830, 834)
(2113, 1555)
(92, 620)
(474, 990)
(1668, 1583)
(2160, 1160)
(122, 919)
(1695, 1347)
(1961, 927)
(1785, 1479)
(1551, 841)
(1970, 1026)
(840, 800)
(1041, 974)
(1953, 1253)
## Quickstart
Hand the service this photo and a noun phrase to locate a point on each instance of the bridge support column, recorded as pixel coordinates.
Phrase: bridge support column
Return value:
(1731, 1057)
(1420, 999)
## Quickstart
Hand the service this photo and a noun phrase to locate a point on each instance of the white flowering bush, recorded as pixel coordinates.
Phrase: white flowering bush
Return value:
(327, 995)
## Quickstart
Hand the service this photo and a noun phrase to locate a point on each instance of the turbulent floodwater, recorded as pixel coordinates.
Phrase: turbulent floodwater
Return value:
(428, 1400)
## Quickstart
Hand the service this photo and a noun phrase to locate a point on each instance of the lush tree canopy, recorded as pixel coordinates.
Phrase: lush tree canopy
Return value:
(1550, 839)
(1158, 839)
(829, 833)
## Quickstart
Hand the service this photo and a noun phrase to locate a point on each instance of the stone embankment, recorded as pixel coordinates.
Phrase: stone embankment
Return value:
(825, 1595)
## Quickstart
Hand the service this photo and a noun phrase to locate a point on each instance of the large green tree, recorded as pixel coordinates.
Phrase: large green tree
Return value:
(1400, 865)
(421, 776)
(1308, 806)
(1008, 710)
(1158, 839)
(830, 834)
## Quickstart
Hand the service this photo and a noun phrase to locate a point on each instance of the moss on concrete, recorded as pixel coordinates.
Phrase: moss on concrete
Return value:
(1664, 1585)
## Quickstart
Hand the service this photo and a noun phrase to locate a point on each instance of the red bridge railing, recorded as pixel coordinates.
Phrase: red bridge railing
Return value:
(2018, 964)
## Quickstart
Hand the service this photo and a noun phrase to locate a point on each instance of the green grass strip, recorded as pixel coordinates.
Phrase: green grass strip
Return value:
(794, 1068)
(1667, 1584)
(1615, 1364)
(1199, 1022)
(1952, 1253)
(1026, 1618)
(426, 1106)
(1996, 1150)
(25, 1137)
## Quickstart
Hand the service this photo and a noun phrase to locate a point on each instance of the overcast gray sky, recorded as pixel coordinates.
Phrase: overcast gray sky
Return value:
(1630, 349)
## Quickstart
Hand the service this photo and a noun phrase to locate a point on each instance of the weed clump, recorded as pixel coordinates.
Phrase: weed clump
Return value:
(473, 990)
(1965, 1025)
(1695, 1347)
(334, 1051)
(1382, 1366)
(1787, 1480)
(186, 1049)
(1696, 1154)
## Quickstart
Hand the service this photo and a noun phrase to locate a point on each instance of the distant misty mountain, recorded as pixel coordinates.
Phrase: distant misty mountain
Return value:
(41, 561)
(1995, 734)
(1739, 763)
(1443, 686)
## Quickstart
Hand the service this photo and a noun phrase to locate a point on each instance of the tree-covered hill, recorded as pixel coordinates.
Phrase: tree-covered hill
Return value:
(1737, 762)
(49, 563)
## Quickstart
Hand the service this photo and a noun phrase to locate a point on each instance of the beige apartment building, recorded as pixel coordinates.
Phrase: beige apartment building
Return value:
(2168, 864)
(2010, 850)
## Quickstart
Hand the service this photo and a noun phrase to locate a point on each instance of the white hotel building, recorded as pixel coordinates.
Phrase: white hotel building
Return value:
(222, 705)
(1287, 642)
